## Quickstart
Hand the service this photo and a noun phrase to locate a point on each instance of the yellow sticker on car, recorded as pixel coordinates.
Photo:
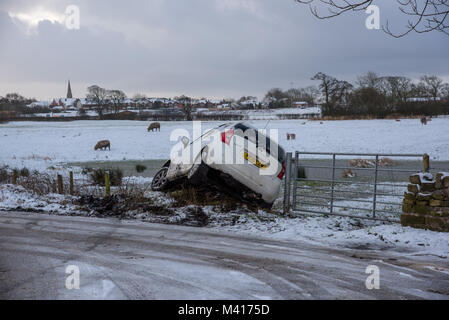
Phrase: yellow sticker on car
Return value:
(254, 161)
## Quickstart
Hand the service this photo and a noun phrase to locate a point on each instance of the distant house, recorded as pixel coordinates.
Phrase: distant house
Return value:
(267, 101)
(201, 110)
(250, 103)
(70, 103)
(223, 106)
(300, 104)
(41, 104)
(423, 99)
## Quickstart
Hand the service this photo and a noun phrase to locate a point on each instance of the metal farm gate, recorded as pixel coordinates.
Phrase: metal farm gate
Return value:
(361, 185)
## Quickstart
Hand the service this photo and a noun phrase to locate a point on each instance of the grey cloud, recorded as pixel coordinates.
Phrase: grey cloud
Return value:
(204, 48)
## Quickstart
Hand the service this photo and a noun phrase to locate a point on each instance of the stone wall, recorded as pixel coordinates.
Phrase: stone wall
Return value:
(426, 202)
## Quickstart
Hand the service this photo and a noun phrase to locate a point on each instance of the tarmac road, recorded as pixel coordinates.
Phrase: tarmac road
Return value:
(137, 260)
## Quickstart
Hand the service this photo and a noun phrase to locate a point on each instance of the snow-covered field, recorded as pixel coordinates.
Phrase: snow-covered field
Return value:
(42, 144)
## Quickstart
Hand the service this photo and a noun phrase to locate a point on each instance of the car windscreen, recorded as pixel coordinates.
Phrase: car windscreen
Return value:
(268, 142)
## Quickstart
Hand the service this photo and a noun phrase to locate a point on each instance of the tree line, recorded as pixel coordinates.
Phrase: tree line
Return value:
(103, 99)
(17, 103)
(371, 95)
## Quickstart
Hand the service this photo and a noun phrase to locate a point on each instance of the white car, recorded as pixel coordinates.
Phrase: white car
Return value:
(244, 161)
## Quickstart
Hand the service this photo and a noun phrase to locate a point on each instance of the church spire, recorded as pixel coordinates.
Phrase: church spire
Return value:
(69, 91)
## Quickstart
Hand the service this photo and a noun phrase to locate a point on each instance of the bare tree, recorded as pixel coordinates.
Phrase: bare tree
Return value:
(423, 15)
(276, 93)
(445, 91)
(307, 94)
(432, 86)
(396, 89)
(15, 97)
(98, 97)
(187, 106)
(117, 99)
(333, 90)
(310, 93)
(368, 80)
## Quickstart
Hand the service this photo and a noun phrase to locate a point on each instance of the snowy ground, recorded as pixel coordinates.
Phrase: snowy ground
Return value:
(39, 145)
(326, 231)
(123, 259)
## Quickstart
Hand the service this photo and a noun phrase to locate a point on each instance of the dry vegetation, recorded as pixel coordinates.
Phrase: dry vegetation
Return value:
(370, 163)
(203, 196)
(134, 200)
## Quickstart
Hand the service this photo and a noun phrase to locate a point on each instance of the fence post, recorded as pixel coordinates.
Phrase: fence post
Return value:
(376, 170)
(332, 183)
(71, 182)
(426, 162)
(107, 184)
(60, 186)
(288, 174)
(295, 177)
(14, 176)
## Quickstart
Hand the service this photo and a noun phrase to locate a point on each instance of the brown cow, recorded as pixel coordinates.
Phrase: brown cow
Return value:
(154, 126)
(103, 144)
(291, 136)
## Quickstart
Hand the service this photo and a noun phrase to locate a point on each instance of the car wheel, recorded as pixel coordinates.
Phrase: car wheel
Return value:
(160, 181)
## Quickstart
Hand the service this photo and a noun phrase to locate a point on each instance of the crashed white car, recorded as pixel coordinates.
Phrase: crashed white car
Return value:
(243, 159)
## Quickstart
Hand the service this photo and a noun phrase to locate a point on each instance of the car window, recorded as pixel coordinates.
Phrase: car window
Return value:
(268, 141)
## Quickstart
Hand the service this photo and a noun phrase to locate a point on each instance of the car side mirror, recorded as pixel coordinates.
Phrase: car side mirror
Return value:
(185, 141)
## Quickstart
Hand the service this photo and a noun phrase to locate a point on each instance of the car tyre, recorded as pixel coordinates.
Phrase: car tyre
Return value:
(160, 181)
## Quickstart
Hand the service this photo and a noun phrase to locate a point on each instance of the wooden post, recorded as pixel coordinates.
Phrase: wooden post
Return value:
(71, 182)
(14, 176)
(287, 177)
(60, 186)
(107, 184)
(426, 163)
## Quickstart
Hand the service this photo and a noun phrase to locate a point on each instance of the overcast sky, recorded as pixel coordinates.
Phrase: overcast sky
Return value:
(202, 48)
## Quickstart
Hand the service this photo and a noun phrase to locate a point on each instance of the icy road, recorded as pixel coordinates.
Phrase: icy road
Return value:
(136, 260)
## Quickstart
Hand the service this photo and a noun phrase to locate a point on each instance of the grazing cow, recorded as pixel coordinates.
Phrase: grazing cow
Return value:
(398, 120)
(103, 144)
(423, 121)
(154, 126)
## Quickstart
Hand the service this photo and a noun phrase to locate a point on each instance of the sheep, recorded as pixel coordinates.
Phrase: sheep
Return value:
(103, 144)
(154, 126)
